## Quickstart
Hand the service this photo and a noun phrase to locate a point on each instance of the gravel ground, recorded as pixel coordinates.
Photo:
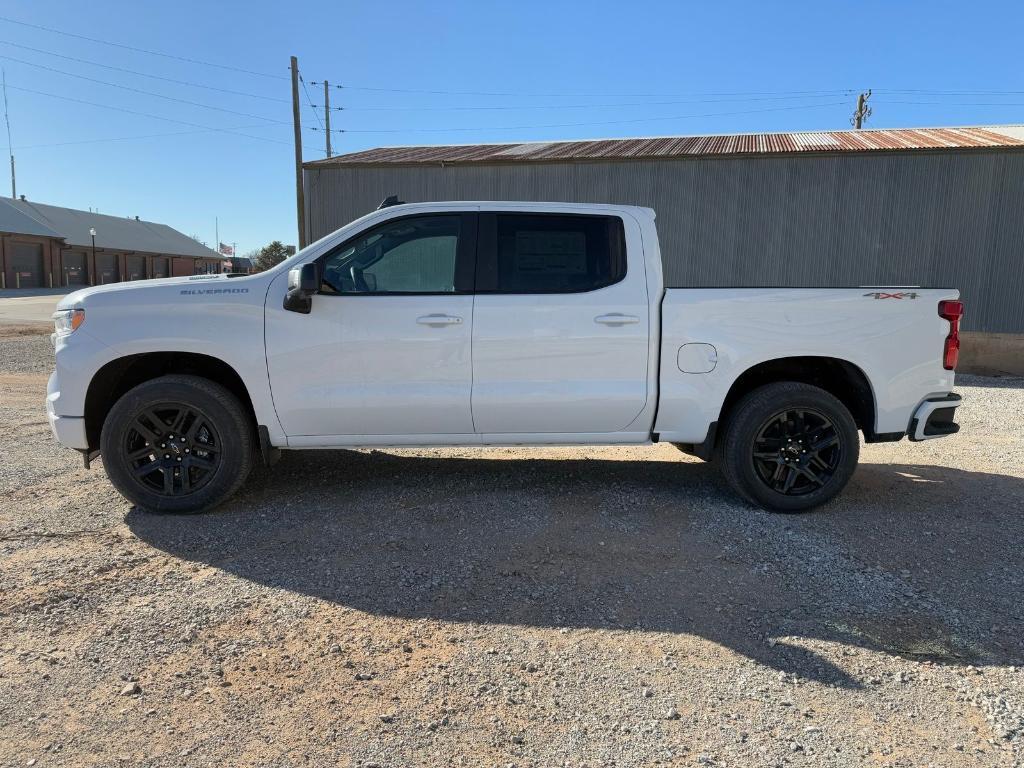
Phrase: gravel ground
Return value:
(578, 607)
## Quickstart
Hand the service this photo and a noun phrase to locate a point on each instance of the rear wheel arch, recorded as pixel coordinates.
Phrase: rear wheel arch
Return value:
(840, 378)
(119, 376)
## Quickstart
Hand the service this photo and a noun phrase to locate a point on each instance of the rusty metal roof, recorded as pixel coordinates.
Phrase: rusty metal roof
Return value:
(688, 146)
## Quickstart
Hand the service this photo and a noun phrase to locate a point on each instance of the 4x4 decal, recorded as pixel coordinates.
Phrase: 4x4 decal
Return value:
(897, 295)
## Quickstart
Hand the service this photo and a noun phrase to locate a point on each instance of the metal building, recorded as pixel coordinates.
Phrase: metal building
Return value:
(931, 207)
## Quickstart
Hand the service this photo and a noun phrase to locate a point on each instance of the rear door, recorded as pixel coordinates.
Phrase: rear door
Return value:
(560, 324)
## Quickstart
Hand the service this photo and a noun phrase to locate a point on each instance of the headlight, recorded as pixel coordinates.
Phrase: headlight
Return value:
(67, 320)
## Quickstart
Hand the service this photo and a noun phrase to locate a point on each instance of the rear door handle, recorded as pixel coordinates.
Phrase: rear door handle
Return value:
(439, 320)
(617, 318)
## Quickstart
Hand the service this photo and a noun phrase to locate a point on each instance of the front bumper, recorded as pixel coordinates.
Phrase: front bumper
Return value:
(934, 418)
(69, 430)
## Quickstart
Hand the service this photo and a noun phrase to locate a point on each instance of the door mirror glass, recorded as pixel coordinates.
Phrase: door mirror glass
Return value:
(303, 282)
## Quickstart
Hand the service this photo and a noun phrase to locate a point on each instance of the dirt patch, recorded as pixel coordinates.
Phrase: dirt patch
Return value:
(581, 607)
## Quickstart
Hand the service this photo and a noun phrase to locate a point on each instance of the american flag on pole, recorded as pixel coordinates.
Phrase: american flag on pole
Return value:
(226, 250)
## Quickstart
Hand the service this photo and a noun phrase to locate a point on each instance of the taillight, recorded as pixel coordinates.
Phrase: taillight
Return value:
(952, 311)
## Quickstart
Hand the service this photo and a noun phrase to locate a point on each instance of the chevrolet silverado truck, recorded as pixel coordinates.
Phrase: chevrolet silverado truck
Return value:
(494, 324)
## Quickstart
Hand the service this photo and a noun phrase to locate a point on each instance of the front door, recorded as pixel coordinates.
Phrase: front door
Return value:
(560, 325)
(385, 351)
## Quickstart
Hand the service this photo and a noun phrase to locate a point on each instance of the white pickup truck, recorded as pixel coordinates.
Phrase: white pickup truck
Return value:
(493, 324)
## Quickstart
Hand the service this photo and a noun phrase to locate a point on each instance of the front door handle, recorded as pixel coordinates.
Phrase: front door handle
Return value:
(438, 320)
(617, 318)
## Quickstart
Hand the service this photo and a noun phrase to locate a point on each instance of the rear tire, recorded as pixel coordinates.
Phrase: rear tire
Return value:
(789, 447)
(177, 444)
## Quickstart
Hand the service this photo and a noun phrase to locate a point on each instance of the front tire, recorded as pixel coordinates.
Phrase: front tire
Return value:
(789, 447)
(177, 444)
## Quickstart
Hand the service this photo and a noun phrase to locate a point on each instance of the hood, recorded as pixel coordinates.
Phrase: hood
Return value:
(138, 289)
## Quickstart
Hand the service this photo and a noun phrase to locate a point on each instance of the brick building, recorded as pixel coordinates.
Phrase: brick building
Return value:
(45, 246)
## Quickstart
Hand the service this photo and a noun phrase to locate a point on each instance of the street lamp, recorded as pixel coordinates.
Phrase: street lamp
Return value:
(92, 234)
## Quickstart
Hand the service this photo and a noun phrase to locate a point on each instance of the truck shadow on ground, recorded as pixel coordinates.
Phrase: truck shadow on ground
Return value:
(919, 561)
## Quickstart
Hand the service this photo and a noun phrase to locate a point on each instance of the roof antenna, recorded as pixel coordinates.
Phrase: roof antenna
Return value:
(389, 201)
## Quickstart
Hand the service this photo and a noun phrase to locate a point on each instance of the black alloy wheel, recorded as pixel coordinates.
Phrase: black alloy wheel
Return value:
(173, 449)
(797, 451)
(788, 446)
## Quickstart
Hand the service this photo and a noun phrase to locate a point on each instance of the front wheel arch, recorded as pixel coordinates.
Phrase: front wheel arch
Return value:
(118, 376)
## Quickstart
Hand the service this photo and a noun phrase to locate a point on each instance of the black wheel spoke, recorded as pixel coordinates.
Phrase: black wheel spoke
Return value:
(178, 425)
(200, 462)
(142, 453)
(145, 469)
(787, 484)
(809, 474)
(145, 430)
(826, 441)
(796, 451)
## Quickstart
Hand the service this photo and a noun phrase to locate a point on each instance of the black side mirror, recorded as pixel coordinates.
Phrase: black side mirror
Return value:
(303, 283)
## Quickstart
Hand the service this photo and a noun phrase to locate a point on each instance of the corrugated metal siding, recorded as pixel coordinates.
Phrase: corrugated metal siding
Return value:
(688, 146)
(934, 219)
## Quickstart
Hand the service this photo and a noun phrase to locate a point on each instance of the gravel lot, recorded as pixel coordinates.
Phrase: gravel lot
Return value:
(577, 607)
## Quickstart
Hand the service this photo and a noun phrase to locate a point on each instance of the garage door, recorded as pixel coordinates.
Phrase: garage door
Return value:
(74, 269)
(27, 265)
(136, 267)
(106, 269)
(161, 267)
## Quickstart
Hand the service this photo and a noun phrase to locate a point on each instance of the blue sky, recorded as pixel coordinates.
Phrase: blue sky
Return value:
(562, 70)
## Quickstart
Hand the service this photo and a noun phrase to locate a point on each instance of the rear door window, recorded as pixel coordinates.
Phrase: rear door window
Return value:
(549, 253)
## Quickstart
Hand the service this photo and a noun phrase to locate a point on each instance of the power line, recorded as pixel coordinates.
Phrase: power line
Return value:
(582, 124)
(580, 106)
(142, 136)
(140, 90)
(144, 74)
(820, 92)
(146, 114)
(143, 50)
(926, 92)
(10, 149)
(955, 103)
(310, 102)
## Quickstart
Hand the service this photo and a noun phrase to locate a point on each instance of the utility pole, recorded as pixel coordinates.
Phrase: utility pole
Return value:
(327, 116)
(10, 150)
(300, 198)
(863, 111)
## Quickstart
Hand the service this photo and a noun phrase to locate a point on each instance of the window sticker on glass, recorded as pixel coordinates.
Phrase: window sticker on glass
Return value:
(563, 253)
